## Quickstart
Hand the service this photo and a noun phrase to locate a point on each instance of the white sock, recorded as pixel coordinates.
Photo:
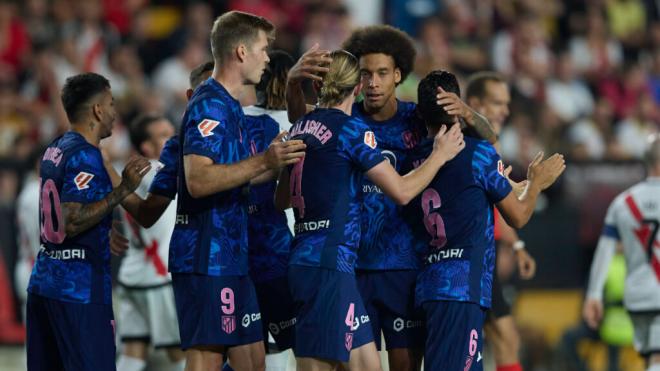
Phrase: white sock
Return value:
(277, 361)
(126, 363)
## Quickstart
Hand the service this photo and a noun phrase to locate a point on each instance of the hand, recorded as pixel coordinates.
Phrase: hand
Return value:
(592, 312)
(518, 187)
(543, 174)
(526, 264)
(310, 65)
(280, 154)
(134, 171)
(118, 243)
(448, 143)
(453, 104)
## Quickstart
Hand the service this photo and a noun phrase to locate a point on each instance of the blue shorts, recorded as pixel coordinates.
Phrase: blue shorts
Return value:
(277, 311)
(389, 297)
(331, 319)
(216, 310)
(69, 336)
(455, 340)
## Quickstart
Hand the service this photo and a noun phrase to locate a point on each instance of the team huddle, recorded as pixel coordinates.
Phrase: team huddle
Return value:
(391, 230)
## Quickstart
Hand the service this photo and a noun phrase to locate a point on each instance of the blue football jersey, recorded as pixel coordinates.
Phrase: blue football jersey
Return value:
(269, 237)
(453, 217)
(325, 188)
(386, 240)
(164, 183)
(210, 234)
(73, 269)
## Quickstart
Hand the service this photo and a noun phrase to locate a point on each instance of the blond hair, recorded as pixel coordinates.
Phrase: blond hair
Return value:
(233, 28)
(343, 77)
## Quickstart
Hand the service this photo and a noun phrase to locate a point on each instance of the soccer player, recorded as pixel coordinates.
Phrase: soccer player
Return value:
(632, 220)
(324, 189)
(269, 236)
(70, 324)
(215, 299)
(147, 312)
(454, 216)
(387, 266)
(488, 94)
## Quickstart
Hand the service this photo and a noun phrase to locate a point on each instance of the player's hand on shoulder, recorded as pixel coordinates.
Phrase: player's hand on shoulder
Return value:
(448, 143)
(282, 153)
(118, 243)
(136, 168)
(592, 312)
(544, 173)
(311, 65)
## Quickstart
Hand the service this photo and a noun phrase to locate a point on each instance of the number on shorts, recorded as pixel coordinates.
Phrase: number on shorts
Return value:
(295, 187)
(50, 232)
(433, 222)
(473, 342)
(350, 315)
(227, 298)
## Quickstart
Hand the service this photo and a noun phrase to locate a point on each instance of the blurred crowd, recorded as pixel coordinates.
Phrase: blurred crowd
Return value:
(585, 75)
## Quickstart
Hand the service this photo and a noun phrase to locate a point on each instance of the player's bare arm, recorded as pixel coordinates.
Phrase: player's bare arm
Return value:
(540, 175)
(402, 189)
(309, 66)
(80, 217)
(145, 212)
(204, 177)
(453, 105)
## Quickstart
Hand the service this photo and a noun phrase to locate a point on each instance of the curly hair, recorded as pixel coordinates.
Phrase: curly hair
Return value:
(386, 40)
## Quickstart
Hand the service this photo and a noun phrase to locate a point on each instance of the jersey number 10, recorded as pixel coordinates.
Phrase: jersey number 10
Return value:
(51, 210)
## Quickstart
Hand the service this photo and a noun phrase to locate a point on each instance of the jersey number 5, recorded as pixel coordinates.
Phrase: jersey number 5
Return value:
(433, 222)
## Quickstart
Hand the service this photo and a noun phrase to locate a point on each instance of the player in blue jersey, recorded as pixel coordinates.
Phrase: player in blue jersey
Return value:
(70, 324)
(387, 266)
(332, 325)
(454, 217)
(269, 236)
(488, 93)
(216, 301)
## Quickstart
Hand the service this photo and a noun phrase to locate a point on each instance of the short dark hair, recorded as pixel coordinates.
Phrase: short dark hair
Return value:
(383, 39)
(427, 91)
(137, 130)
(476, 85)
(197, 73)
(271, 89)
(234, 27)
(78, 90)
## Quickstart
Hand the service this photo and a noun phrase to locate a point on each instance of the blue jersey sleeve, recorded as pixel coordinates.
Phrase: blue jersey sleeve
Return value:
(85, 178)
(357, 143)
(164, 183)
(207, 132)
(488, 172)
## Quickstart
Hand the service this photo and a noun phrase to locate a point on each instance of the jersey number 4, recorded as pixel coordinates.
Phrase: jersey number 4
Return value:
(295, 188)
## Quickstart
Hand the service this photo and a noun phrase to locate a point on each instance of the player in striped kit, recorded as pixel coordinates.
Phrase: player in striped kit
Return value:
(632, 220)
(147, 313)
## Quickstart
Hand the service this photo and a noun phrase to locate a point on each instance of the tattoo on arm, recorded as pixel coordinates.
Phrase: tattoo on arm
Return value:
(80, 217)
(483, 127)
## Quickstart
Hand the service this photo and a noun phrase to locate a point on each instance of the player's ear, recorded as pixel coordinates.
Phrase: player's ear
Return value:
(97, 111)
(189, 93)
(357, 89)
(397, 75)
(317, 85)
(241, 52)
